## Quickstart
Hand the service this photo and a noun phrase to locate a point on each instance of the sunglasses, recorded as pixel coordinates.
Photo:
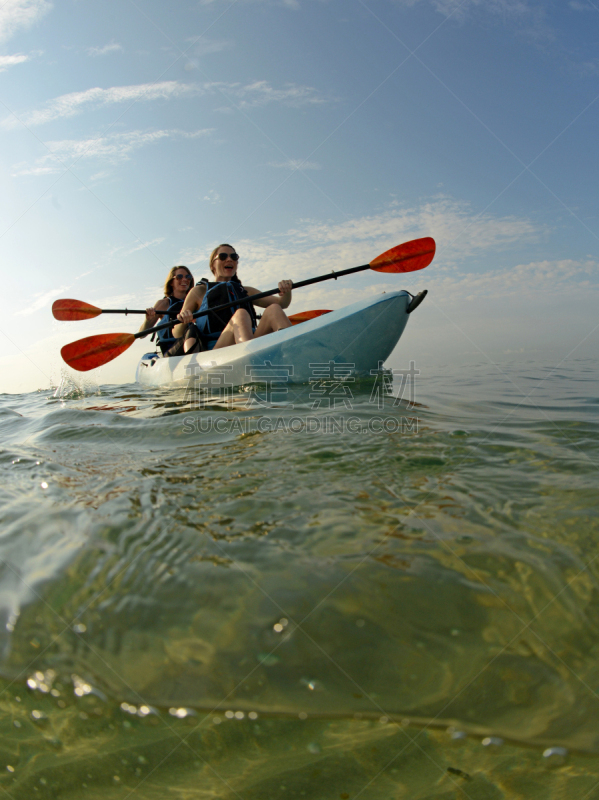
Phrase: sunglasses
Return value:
(225, 256)
(183, 276)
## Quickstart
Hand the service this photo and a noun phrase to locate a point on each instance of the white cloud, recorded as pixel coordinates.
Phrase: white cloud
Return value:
(293, 4)
(260, 93)
(113, 148)
(213, 197)
(466, 244)
(23, 169)
(587, 69)
(125, 250)
(204, 47)
(461, 7)
(451, 222)
(102, 51)
(100, 176)
(294, 164)
(40, 301)
(257, 93)
(560, 278)
(144, 245)
(16, 14)
(68, 105)
(10, 61)
(531, 15)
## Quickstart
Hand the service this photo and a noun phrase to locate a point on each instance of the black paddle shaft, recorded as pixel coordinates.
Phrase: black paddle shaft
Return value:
(126, 311)
(252, 298)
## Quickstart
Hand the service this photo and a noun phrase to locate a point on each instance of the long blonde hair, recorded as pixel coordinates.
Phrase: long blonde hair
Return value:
(168, 285)
(215, 251)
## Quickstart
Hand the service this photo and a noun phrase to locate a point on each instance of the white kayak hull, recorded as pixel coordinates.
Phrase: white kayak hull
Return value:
(362, 335)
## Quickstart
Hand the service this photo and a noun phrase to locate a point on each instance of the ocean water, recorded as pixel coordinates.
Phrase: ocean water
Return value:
(352, 591)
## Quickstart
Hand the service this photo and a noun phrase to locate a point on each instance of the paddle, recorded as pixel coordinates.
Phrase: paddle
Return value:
(94, 351)
(304, 316)
(76, 310)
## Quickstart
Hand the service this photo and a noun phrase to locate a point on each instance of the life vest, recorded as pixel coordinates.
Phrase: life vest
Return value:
(213, 324)
(165, 337)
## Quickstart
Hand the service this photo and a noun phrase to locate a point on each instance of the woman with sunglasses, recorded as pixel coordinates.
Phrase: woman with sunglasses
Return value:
(176, 287)
(231, 325)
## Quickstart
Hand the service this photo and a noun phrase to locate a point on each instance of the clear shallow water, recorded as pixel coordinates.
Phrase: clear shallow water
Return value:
(165, 568)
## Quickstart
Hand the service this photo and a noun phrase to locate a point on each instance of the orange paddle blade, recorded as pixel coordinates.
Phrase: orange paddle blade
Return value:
(71, 310)
(407, 257)
(304, 316)
(93, 351)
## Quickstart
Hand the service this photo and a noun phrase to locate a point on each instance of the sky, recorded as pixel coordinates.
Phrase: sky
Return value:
(312, 135)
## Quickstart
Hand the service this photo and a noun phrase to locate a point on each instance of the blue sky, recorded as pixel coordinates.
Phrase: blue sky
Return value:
(312, 135)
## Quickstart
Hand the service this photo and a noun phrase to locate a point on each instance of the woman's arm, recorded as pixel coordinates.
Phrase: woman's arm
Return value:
(283, 299)
(192, 302)
(154, 313)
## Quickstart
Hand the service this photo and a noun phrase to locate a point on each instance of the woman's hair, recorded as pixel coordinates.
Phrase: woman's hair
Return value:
(215, 251)
(168, 286)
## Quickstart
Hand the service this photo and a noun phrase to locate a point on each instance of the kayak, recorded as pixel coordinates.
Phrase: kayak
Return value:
(354, 340)
(360, 337)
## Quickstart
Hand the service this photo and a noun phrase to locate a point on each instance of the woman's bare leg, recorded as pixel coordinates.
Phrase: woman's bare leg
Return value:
(189, 344)
(273, 319)
(238, 330)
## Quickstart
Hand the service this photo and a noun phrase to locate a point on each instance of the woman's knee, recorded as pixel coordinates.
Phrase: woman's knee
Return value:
(276, 318)
(273, 312)
(241, 316)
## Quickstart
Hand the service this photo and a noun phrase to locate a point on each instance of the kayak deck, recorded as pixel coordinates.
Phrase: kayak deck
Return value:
(359, 336)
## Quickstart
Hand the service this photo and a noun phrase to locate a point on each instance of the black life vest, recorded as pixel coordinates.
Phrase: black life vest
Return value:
(213, 324)
(165, 337)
